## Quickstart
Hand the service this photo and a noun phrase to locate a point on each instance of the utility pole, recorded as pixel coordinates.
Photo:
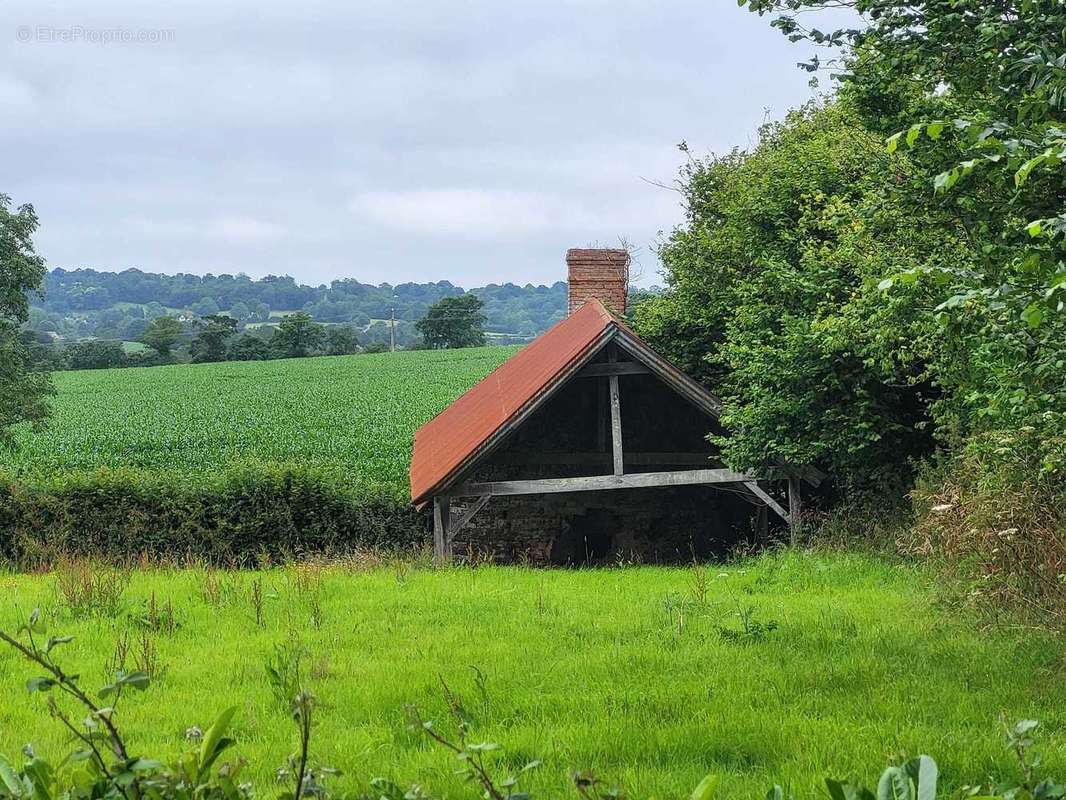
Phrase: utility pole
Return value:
(392, 330)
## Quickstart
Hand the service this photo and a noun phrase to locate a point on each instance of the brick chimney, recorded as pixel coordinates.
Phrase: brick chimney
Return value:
(603, 274)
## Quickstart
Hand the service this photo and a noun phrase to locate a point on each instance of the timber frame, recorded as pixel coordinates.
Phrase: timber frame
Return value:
(642, 360)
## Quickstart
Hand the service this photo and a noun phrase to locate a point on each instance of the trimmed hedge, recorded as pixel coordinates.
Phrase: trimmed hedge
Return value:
(240, 517)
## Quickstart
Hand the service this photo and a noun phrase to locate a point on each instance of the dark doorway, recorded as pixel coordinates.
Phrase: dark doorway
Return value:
(585, 539)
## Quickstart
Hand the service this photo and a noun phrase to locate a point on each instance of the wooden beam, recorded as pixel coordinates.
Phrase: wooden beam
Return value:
(616, 426)
(619, 368)
(766, 498)
(468, 515)
(577, 457)
(594, 483)
(795, 509)
(441, 517)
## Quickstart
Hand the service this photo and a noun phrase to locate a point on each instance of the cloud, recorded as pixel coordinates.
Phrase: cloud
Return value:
(468, 213)
(387, 140)
(246, 230)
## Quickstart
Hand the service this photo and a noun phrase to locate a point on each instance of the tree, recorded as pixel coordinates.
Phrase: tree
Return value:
(297, 335)
(161, 335)
(974, 91)
(95, 355)
(40, 354)
(454, 322)
(341, 340)
(210, 342)
(773, 300)
(240, 310)
(206, 307)
(23, 394)
(250, 347)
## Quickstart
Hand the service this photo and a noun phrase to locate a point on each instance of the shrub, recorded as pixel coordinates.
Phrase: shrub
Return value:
(236, 518)
(1000, 529)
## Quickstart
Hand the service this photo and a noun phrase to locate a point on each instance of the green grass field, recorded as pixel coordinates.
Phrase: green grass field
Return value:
(355, 412)
(621, 671)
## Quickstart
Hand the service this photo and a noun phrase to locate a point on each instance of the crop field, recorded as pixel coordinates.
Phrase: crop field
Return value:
(357, 413)
(786, 669)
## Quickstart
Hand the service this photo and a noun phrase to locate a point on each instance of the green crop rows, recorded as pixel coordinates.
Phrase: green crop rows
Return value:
(355, 413)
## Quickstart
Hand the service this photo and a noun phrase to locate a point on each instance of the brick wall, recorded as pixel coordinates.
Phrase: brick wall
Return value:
(600, 274)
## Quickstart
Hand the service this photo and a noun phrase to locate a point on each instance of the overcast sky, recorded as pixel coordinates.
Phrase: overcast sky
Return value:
(386, 141)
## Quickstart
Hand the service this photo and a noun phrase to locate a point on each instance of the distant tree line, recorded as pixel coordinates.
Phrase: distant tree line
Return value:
(83, 303)
(211, 338)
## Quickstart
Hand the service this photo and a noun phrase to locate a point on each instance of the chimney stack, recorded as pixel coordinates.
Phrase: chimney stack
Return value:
(600, 274)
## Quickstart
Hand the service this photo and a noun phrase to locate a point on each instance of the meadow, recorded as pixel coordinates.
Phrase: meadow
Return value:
(352, 413)
(785, 668)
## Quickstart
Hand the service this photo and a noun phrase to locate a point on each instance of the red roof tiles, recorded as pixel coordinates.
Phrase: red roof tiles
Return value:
(450, 439)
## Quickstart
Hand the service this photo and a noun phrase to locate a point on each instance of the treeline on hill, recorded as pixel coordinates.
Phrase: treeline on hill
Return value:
(119, 306)
(218, 337)
(877, 287)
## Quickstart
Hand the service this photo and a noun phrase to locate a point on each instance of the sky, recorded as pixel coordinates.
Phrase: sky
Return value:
(385, 141)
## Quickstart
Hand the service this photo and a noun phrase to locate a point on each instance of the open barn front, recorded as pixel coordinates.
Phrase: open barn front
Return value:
(616, 526)
(571, 436)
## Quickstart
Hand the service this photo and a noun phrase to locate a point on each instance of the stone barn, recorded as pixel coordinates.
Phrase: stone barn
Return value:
(588, 447)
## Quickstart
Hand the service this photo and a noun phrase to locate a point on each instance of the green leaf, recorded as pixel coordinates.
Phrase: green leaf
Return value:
(55, 641)
(1035, 228)
(945, 180)
(211, 746)
(894, 785)
(885, 285)
(1022, 175)
(1033, 315)
(138, 680)
(40, 684)
(836, 789)
(706, 788)
(893, 142)
(10, 779)
(145, 765)
(934, 129)
(927, 775)
(913, 133)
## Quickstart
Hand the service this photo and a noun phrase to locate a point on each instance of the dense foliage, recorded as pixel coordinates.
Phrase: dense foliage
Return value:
(236, 517)
(773, 300)
(23, 393)
(882, 278)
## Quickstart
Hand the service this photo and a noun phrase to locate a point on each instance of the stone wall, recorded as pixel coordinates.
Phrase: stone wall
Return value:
(663, 525)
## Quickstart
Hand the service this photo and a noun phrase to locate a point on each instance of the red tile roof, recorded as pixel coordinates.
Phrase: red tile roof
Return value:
(449, 440)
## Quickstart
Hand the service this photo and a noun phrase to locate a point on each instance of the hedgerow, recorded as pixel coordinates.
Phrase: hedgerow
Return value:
(239, 517)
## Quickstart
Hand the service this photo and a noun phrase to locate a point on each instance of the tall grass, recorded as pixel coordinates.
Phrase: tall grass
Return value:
(650, 677)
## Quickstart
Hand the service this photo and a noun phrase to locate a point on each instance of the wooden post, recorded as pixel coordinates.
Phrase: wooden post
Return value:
(762, 520)
(616, 414)
(601, 415)
(795, 510)
(441, 517)
(616, 426)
